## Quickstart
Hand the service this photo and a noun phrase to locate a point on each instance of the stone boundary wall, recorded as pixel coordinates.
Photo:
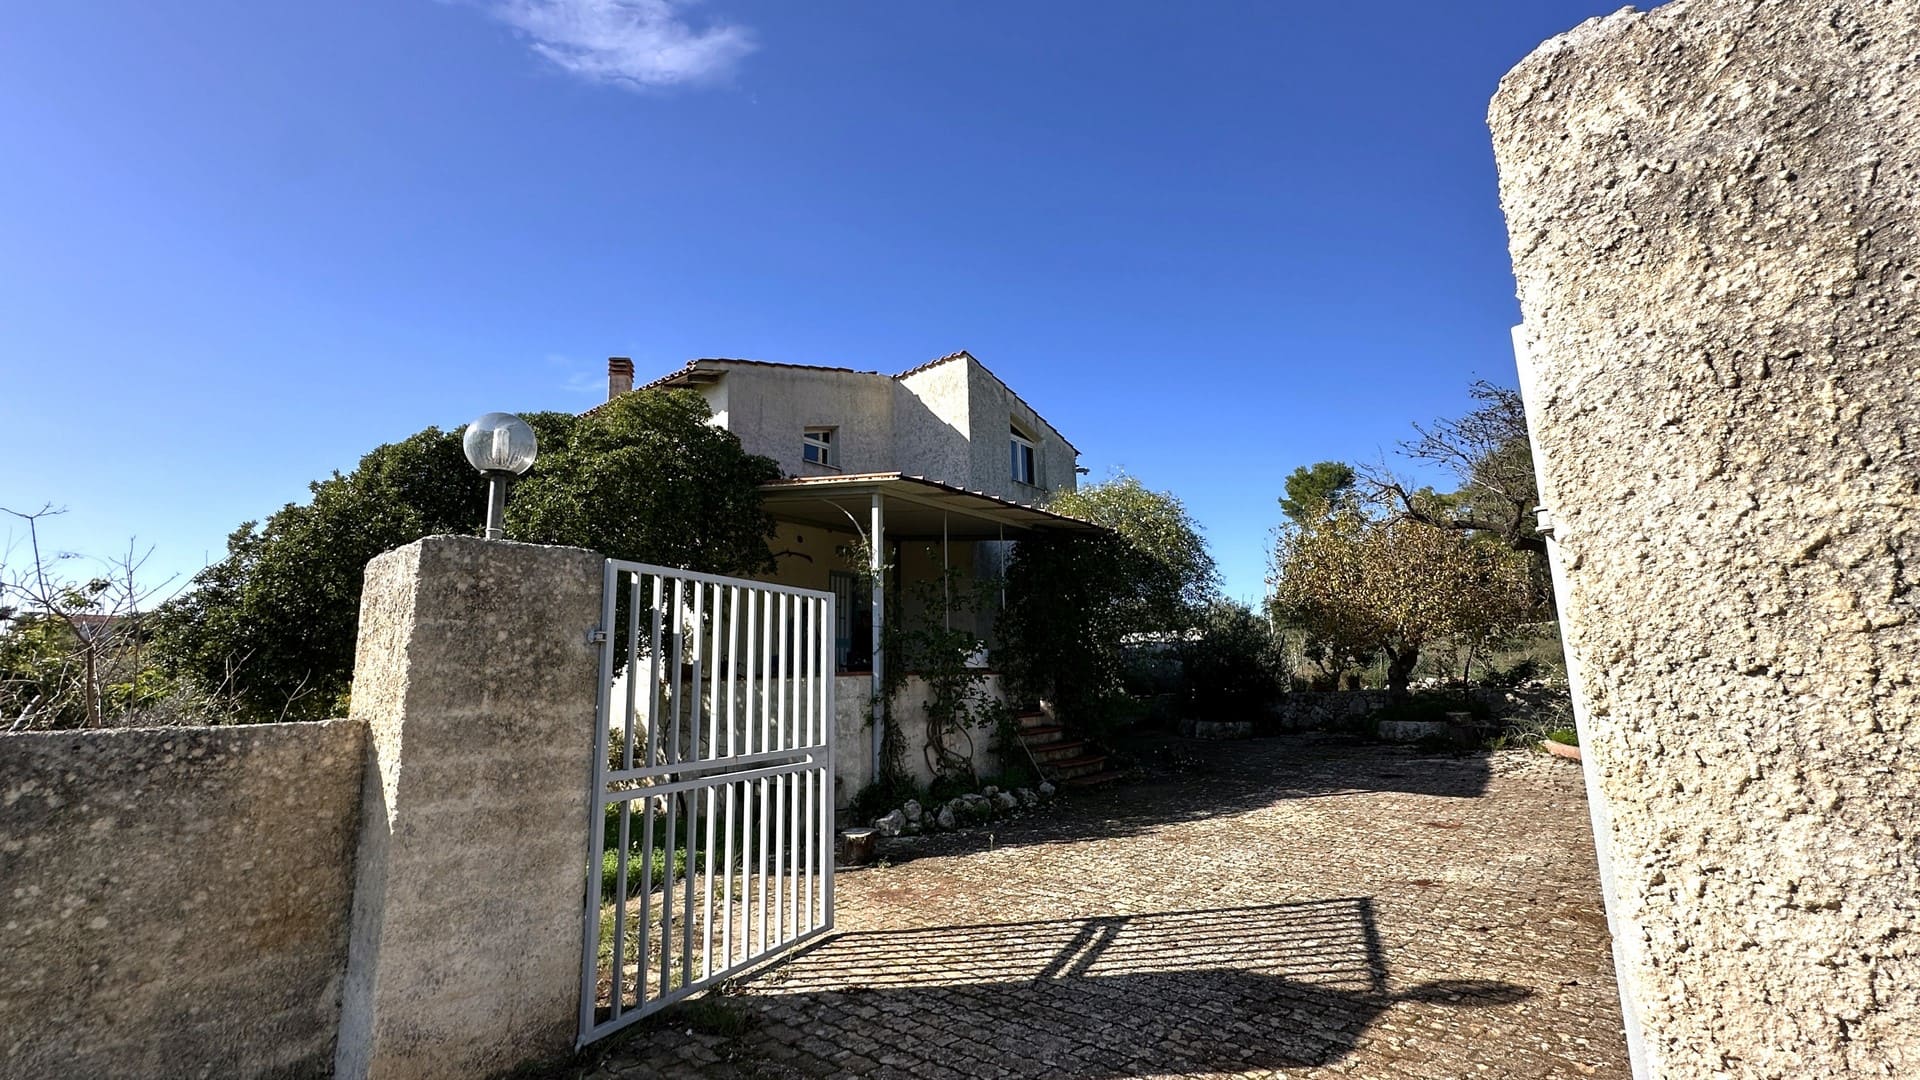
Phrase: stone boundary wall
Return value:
(1334, 710)
(174, 898)
(1713, 211)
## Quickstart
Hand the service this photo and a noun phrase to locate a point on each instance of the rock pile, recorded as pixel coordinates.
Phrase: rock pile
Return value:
(974, 808)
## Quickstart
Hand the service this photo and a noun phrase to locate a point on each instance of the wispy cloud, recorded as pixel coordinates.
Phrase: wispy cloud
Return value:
(631, 43)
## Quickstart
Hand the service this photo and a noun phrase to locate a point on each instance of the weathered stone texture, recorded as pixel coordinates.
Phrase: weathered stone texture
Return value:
(174, 902)
(1713, 210)
(477, 682)
(1340, 710)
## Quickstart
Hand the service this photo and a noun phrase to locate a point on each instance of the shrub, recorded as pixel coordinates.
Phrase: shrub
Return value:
(1233, 666)
(1525, 671)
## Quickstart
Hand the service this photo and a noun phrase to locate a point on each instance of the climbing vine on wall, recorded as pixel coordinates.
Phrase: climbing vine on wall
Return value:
(941, 654)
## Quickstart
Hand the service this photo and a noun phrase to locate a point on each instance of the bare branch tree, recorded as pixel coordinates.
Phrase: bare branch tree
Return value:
(66, 638)
(1488, 450)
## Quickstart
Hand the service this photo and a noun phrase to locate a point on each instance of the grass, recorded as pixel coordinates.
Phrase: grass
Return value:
(636, 851)
(1564, 736)
(610, 869)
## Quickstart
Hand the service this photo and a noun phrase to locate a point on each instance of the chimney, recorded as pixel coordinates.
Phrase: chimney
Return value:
(619, 376)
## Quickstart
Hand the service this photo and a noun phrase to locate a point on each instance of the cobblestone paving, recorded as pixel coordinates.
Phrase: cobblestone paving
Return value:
(1293, 907)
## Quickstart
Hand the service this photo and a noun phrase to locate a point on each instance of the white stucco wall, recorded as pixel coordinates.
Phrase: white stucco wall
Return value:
(769, 408)
(931, 430)
(853, 735)
(993, 411)
(950, 422)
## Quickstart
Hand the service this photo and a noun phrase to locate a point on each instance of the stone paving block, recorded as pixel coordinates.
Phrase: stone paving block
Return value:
(1301, 907)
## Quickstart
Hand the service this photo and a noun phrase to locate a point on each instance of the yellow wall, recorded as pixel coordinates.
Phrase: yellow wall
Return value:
(812, 553)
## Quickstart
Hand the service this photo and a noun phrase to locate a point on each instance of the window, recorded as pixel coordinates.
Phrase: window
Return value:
(817, 447)
(1022, 459)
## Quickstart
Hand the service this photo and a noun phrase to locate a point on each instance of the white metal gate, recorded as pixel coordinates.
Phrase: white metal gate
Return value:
(714, 773)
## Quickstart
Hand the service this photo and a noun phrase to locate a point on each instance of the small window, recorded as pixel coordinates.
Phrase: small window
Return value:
(817, 447)
(1022, 458)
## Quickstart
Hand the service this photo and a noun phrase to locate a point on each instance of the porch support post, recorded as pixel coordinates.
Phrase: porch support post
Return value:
(876, 564)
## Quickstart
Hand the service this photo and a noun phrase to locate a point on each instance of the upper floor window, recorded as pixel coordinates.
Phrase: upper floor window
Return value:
(1022, 459)
(817, 446)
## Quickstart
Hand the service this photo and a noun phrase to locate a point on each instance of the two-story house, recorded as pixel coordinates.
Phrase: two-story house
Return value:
(943, 462)
(950, 421)
(913, 485)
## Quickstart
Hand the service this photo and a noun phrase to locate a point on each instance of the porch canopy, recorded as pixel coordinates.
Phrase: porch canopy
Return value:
(914, 507)
(884, 507)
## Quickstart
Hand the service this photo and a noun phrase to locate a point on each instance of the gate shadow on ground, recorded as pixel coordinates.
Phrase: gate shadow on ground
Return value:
(1226, 989)
(1194, 780)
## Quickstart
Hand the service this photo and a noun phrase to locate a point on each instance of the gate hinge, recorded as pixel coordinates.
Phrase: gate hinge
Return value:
(596, 636)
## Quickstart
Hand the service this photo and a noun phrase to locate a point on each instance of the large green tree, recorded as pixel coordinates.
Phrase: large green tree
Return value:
(646, 476)
(1073, 598)
(1313, 490)
(1165, 575)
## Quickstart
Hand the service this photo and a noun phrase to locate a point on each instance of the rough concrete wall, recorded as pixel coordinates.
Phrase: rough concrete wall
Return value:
(994, 409)
(478, 683)
(931, 434)
(768, 409)
(853, 734)
(175, 901)
(1712, 210)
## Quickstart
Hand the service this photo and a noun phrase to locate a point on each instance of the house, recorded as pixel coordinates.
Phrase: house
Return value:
(932, 474)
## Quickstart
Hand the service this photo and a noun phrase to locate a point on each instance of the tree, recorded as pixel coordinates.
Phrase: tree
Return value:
(1233, 668)
(70, 647)
(646, 477)
(1165, 573)
(1314, 490)
(1391, 586)
(1489, 452)
(1073, 598)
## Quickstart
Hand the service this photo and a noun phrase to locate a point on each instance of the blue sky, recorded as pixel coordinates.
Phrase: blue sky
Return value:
(243, 243)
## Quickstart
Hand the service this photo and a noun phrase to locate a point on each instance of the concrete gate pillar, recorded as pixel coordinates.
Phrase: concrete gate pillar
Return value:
(1713, 210)
(476, 681)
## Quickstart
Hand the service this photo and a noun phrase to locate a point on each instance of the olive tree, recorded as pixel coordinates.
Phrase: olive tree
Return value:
(1488, 452)
(1390, 586)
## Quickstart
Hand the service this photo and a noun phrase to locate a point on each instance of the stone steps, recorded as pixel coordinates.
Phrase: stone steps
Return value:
(1059, 750)
(1093, 780)
(1060, 754)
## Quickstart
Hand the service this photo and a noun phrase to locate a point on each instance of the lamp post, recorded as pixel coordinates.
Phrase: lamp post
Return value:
(501, 446)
